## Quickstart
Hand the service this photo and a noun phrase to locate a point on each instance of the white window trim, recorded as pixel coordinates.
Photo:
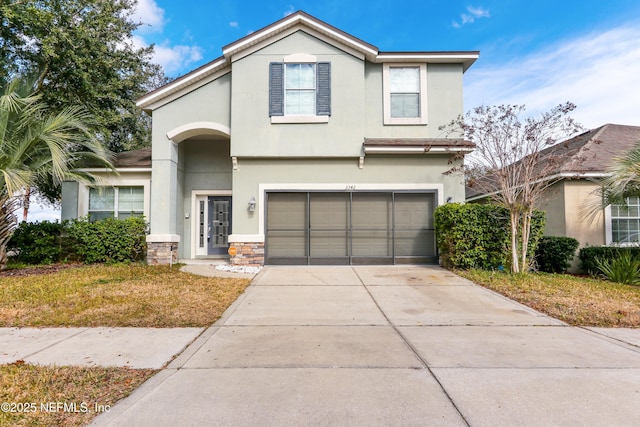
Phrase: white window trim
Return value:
(299, 58)
(315, 89)
(608, 230)
(116, 199)
(386, 85)
(83, 194)
(608, 226)
(299, 119)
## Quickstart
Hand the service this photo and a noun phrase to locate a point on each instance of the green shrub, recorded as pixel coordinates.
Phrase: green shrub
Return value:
(109, 240)
(589, 254)
(477, 235)
(622, 269)
(36, 242)
(555, 253)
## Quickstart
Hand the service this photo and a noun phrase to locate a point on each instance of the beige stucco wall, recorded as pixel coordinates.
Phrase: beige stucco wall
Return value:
(253, 133)
(340, 173)
(553, 206)
(444, 102)
(309, 153)
(210, 103)
(205, 167)
(590, 231)
(568, 214)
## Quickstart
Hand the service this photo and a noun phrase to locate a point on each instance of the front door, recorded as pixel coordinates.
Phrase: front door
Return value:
(219, 225)
(213, 224)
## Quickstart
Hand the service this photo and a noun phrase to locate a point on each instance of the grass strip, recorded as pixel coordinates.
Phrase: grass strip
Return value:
(134, 295)
(579, 301)
(33, 395)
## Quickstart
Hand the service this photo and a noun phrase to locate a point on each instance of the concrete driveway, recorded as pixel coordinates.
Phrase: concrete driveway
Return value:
(387, 346)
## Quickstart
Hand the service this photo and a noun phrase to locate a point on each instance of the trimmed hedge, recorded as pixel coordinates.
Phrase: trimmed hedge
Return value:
(554, 253)
(110, 240)
(478, 235)
(589, 254)
(36, 242)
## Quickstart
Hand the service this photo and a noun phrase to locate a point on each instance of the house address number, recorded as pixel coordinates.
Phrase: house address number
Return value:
(350, 188)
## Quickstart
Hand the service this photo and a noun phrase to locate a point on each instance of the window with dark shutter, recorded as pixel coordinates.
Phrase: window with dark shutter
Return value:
(323, 96)
(276, 89)
(291, 86)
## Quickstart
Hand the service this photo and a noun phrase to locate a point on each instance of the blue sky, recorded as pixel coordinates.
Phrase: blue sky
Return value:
(537, 52)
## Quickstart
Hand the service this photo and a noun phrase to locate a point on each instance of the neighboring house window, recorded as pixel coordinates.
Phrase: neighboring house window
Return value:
(118, 202)
(299, 90)
(405, 94)
(625, 221)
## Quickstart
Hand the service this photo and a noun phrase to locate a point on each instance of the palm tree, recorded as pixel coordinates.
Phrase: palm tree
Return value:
(624, 179)
(36, 143)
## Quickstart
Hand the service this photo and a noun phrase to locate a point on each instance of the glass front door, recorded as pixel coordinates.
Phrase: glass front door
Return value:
(213, 222)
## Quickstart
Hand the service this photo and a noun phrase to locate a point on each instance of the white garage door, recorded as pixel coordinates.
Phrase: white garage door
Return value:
(350, 228)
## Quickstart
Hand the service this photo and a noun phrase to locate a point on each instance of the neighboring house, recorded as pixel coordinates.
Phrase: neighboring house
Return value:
(303, 145)
(569, 200)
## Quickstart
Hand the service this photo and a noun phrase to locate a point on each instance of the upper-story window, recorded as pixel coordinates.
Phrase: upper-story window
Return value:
(405, 94)
(299, 90)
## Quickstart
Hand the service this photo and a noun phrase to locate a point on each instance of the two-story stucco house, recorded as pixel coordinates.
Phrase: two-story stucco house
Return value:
(301, 145)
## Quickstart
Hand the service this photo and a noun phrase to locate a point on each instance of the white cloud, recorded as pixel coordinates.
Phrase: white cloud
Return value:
(289, 10)
(176, 58)
(173, 59)
(150, 14)
(468, 18)
(598, 72)
(233, 24)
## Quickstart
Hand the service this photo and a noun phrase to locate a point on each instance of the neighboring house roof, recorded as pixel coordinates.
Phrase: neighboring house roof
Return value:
(594, 151)
(416, 145)
(589, 154)
(280, 29)
(126, 160)
(133, 159)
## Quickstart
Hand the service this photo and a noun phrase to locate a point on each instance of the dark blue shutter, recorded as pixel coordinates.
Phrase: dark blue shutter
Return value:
(323, 97)
(276, 89)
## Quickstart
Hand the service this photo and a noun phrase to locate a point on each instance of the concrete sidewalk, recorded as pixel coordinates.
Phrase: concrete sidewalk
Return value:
(388, 346)
(132, 347)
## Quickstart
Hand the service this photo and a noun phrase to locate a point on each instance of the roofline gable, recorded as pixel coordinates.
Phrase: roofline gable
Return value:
(300, 17)
(296, 21)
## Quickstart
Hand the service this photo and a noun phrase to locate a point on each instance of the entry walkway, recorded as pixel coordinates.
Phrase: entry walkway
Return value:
(387, 346)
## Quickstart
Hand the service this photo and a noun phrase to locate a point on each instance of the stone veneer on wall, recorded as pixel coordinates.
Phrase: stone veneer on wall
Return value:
(248, 253)
(162, 253)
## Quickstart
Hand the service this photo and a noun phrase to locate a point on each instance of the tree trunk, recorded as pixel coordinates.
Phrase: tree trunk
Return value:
(525, 233)
(26, 202)
(515, 268)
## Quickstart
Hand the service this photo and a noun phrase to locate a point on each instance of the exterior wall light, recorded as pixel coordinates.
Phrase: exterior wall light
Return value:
(252, 204)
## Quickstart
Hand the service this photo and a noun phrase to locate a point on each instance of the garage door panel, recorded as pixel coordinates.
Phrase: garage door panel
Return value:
(371, 211)
(328, 244)
(415, 243)
(287, 211)
(414, 211)
(371, 243)
(287, 244)
(350, 228)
